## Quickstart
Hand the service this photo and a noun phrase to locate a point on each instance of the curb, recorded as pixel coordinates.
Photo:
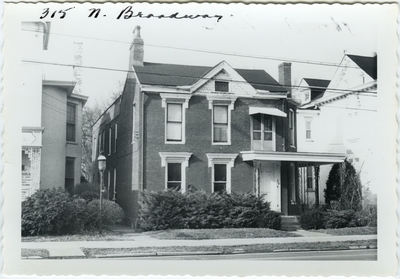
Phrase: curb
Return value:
(327, 249)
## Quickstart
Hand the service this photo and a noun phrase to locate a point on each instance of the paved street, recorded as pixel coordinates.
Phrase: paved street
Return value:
(342, 255)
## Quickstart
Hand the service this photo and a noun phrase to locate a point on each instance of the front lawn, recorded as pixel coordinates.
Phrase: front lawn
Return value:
(186, 234)
(43, 253)
(350, 231)
(254, 248)
(85, 236)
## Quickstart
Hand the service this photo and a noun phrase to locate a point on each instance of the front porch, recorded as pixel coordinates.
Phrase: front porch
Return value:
(280, 176)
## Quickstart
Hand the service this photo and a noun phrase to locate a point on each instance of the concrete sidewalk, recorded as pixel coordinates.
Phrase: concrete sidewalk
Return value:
(73, 248)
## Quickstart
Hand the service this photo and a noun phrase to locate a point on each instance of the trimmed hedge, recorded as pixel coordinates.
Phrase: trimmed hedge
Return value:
(198, 210)
(321, 218)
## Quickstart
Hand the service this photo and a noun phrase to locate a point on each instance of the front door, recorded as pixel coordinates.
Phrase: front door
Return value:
(270, 184)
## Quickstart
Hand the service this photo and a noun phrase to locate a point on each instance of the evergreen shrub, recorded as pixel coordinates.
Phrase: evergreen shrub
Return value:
(341, 219)
(112, 213)
(87, 191)
(312, 219)
(198, 210)
(52, 211)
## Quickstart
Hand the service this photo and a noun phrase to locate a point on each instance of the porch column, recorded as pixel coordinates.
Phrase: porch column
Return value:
(256, 177)
(316, 174)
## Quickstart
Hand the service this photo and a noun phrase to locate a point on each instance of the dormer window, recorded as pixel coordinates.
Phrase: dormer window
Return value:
(221, 86)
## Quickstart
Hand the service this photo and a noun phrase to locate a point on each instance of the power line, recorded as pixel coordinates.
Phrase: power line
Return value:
(318, 63)
(332, 90)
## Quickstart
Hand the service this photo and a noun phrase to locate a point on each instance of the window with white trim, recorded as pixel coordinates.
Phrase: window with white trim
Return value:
(108, 183)
(308, 129)
(291, 127)
(71, 122)
(174, 123)
(174, 176)
(115, 183)
(115, 136)
(221, 165)
(175, 164)
(175, 114)
(221, 124)
(109, 140)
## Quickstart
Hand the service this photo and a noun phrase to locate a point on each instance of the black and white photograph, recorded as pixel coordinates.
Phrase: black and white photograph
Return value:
(199, 139)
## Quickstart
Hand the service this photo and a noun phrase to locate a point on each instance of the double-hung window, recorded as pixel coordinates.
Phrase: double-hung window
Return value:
(308, 129)
(220, 124)
(71, 122)
(174, 176)
(175, 164)
(221, 165)
(174, 122)
(291, 127)
(175, 113)
(115, 136)
(109, 140)
(219, 178)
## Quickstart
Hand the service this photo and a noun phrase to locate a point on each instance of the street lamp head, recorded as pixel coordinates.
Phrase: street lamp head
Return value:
(101, 161)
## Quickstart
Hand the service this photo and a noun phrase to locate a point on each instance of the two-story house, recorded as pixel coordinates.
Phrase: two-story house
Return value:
(212, 128)
(341, 117)
(51, 113)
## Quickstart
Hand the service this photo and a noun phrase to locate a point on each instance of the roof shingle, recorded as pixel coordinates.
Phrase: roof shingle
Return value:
(181, 75)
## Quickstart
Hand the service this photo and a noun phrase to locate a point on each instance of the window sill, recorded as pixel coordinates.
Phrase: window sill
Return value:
(174, 142)
(309, 140)
(72, 142)
(310, 190)
(221, 143)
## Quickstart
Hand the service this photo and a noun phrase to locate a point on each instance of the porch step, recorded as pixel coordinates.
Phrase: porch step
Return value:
(290, 223)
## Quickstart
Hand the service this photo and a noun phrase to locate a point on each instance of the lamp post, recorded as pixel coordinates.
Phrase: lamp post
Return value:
(101, 161)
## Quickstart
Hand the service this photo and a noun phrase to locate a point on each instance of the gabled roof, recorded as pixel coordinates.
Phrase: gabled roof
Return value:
(317, 87)
(186, 75)
(367, 64)
(317, 83)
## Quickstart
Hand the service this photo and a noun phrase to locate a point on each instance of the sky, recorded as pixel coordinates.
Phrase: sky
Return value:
(247, 36)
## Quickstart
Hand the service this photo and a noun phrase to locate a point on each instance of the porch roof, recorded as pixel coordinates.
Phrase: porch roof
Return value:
(311, 158)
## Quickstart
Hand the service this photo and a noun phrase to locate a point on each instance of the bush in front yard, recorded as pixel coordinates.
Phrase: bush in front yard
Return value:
(87, 191)
(340, 219)
(198, 210)
(112, 213)
(271, 220)
(312, 219)
(52, 211)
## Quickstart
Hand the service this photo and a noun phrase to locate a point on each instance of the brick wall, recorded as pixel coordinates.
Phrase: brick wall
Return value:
(199, 142)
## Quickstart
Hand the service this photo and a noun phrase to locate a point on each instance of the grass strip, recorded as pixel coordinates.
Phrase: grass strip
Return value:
(254, 248)
(43, 253)
(351, 231)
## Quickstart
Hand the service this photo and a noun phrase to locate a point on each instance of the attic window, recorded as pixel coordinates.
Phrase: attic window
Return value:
(221, 86)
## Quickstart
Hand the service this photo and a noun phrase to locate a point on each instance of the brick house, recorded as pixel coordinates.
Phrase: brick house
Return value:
(212, 128)
(51, 122)
(342, 118)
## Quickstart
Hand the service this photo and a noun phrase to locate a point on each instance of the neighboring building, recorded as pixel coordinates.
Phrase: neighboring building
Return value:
(51, 118)
(212, 128)
(340, 116)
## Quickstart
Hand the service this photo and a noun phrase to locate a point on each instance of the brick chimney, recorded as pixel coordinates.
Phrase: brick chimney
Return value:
(78, 57)
(285, 76)
(136, 49)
